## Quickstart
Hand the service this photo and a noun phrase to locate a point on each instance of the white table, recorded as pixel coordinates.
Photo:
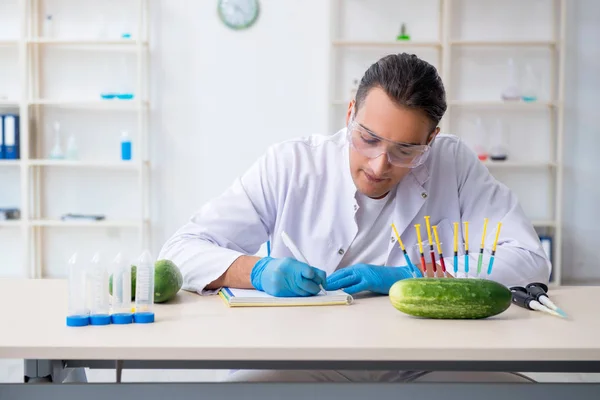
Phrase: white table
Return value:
(202, 332)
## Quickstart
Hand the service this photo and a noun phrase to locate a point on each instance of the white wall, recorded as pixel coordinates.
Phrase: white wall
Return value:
(582, 164)
(224, 96)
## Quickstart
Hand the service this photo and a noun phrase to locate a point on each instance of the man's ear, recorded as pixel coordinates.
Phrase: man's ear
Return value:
(350, 111)
(432, 135)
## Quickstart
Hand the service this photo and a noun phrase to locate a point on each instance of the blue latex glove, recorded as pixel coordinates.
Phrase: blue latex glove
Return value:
(359, 277)
(286, 277)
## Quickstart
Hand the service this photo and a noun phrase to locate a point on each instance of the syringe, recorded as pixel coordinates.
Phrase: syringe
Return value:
(121, 291)
(144, 289)
(78, 313)
(97, 277)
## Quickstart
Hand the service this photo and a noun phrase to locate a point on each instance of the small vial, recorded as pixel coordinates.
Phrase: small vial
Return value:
(121, 291)
(125, 146)
(144, 289)
(97, 279)
(78, 314)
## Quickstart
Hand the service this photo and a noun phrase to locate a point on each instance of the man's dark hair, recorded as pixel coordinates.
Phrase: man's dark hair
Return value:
(409, 81)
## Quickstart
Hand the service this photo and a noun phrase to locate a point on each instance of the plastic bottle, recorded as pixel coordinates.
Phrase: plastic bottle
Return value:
(121, 312)
(530, 85)
(78, 313)
(511, 88)
(97, 280)
(125, 146)
(144, 289)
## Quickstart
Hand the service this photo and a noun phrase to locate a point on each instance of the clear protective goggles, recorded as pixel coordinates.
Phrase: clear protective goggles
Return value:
(367, 143)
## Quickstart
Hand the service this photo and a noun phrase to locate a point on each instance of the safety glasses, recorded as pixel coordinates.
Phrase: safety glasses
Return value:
(370, 145)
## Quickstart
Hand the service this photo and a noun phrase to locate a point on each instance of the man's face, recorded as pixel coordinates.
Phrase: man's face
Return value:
(380, 115)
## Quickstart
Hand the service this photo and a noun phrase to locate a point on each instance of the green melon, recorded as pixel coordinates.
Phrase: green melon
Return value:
(446, 298)
(167, 281)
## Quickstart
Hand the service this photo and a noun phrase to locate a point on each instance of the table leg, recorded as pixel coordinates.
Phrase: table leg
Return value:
(51, 371)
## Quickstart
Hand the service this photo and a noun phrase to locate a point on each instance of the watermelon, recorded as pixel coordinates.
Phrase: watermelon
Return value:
(445, 298)
(167, 281)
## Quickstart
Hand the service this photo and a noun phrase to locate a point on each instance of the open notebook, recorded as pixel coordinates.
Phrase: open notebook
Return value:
(255, 298)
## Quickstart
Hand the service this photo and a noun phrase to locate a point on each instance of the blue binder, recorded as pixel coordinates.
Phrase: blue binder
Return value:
(11, 137)
(1, 137)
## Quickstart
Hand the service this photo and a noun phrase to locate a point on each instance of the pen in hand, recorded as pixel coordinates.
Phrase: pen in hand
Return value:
(297, 253)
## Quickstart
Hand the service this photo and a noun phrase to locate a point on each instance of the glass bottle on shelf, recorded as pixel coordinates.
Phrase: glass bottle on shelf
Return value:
(57, 152)
(480, 142)
(511, 87)
(499, 142)
(48, 26)
(403, 35)
(530, 85)
(476, 139)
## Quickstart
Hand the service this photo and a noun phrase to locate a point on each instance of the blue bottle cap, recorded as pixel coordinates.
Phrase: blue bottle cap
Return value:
(143, 317)
(120, 319)
(99, 319)
(78, 320)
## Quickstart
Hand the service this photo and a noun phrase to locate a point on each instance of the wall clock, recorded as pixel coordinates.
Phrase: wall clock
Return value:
(238, 14)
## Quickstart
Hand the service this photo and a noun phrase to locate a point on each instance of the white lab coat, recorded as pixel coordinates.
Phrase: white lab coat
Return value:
(304, 187)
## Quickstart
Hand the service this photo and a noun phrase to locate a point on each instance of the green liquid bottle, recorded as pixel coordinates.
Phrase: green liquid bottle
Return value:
(403, 35)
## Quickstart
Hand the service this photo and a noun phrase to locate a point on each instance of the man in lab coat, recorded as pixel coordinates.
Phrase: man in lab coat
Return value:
(337, 196)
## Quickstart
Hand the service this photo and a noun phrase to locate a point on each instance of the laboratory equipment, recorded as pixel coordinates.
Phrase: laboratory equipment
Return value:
(90, 217)
(403, 35)
(144, 289)
(11, 137)
(121, 307)
(499, 145)
(72, 151)
(466, 223)
(493, 256)
(530, 85)
(539, 292)
(522, 298)
(439, 248)
(420, 244)
(511, 87)
(406, 257)
(480, 258)
(125, 91)
(296, 252)
(78, 313)
(431, 251)
(125, 146)
(10, 214)
(455, 249)
(97, 281)
(57, 152)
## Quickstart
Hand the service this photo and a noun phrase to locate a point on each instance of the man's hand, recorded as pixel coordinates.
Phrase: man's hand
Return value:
(286, 277)
(360, 277)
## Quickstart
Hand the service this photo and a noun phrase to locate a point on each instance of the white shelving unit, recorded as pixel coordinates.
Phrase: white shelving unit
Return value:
(31, 43)
(344, 42)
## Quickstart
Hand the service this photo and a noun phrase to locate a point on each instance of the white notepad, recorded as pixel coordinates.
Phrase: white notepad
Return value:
(255, 298)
